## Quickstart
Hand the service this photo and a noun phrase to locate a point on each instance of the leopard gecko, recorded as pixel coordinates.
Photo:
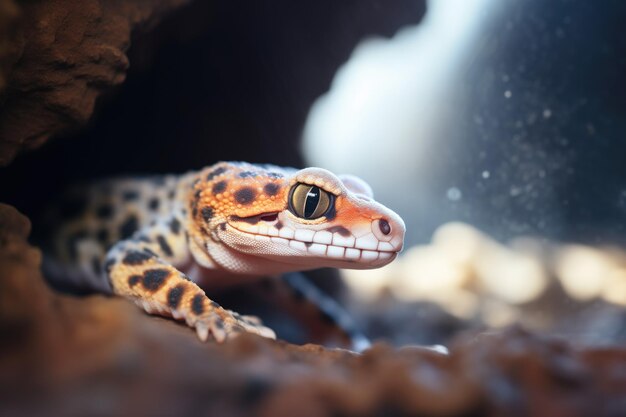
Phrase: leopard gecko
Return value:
(163, 241)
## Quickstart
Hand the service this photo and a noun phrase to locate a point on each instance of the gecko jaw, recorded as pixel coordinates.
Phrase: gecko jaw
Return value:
(365, 250)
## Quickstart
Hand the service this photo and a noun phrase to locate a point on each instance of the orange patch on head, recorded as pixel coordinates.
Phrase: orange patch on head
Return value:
(352, 214)
(242, 190)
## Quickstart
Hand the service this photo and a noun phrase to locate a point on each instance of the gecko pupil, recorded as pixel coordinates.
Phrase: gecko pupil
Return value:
(311, 202)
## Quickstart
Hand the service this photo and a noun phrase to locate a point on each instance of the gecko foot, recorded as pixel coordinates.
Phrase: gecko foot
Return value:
(230, 327)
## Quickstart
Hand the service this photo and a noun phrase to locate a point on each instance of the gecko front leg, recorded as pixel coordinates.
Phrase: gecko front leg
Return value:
(140, 269)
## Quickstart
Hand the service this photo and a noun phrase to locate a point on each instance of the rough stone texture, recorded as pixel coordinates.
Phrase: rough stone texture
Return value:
(61, 355)
(59, 59)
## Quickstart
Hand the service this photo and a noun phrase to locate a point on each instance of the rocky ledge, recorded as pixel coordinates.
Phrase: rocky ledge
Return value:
(102, 356)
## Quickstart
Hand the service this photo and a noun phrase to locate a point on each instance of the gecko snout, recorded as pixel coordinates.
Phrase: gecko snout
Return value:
(390, 230)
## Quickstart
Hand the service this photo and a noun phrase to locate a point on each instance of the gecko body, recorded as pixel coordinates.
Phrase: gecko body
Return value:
(162, 241)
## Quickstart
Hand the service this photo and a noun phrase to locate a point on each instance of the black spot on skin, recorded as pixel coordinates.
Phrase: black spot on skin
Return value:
(133, 280)
(219, 187)
(165, 247)
(154, 204)
(275, 175)
(245, 195)
(130, 195)
(197, 304)
(207, 213)
(175, 226)
(341, 230)
(247, 174)
(271, 189)
(154, 278)
(105, 211)
(95, 264)
(223, 226)
(278, 225)
(215, 173)
(103, 236)
(129, 227)
(174, 296)
(327, 318)
(194, 203)
(255, 390)
(135, 257)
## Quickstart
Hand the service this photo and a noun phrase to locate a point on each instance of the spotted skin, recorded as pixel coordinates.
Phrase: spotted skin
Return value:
(162, 241)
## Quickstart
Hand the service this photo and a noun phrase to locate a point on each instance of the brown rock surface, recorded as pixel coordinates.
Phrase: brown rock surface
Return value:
(63, 355)
(57, 58)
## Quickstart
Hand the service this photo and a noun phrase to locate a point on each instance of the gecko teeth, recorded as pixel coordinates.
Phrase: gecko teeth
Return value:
(323, 243)
(304, 235)
(339, 240)
(368, 241)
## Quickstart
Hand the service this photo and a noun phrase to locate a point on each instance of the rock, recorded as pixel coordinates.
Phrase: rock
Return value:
(58, 58)
(99, 355)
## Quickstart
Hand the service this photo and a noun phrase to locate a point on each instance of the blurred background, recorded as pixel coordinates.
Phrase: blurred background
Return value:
(493, 127)
(496, 129)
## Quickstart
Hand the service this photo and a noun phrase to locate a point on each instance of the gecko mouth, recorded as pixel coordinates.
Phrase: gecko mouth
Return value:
(323, 244)
(266, 217)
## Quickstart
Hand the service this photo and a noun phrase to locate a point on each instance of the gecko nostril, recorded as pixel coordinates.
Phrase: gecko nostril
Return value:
(384, 226)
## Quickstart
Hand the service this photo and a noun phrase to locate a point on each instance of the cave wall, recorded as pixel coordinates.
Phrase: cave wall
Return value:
(63, 55)
(214, 81)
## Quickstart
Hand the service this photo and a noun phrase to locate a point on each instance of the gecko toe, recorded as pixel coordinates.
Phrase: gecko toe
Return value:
(229, 327)
(267, 332)
(202, 331)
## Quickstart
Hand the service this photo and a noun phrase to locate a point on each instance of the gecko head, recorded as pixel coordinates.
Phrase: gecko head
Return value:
(284, 220)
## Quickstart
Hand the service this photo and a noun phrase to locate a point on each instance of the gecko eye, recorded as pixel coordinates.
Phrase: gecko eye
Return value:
(309, 202)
